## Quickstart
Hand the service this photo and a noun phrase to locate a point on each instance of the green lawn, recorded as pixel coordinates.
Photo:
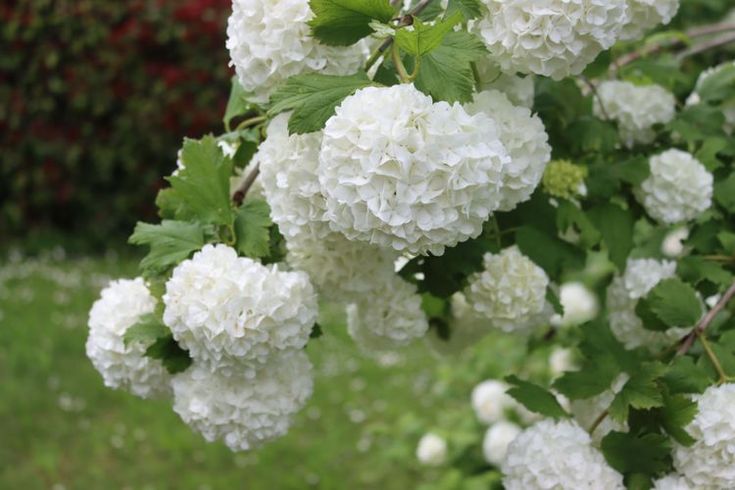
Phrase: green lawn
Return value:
(61, 428)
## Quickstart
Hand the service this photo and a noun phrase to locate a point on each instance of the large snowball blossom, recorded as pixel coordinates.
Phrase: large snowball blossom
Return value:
(678, 189)
(490, 401)
(288, 166)
(672, 482)
(554, 38)
(644, 15)
(431, 450)
(341, 269)
(400, 171)
(641, 275)
(244, 412)
(552, 454)
(388, 316)
(526, 141)
(270, 41)
(227, 310)
(496, 441)
(510, 291)
(710, 462)
(635, 108)
(120, 306)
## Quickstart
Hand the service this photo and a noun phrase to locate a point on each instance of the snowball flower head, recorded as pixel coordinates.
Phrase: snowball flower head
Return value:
(552, 454)
(288, 166)
(510, 291)
(644, 15)
(341, 269)
(554, 38)
(388, 316)
(579, 303)
(244, 412)
(497, 439)
(641, 275)
(270, 41)
(635, 108)
(120, 306)
(431, 450)
(678, 189)
(491, 402)
(227, 310)
(526, 141)
(710, 462)
(400, 171)
(672, 482)
(672, 245)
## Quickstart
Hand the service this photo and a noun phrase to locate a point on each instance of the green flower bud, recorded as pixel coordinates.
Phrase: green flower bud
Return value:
(564, 179)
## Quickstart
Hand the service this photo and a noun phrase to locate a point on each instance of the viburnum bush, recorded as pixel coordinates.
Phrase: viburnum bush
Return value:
(452, 169)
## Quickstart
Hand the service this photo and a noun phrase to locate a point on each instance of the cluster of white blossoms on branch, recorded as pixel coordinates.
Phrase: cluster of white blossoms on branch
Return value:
(121, 305)
(510, 291)
(552, 454)
(270, 41)
(709, 463)
(635, 108)
(641, 275)
(678, 189)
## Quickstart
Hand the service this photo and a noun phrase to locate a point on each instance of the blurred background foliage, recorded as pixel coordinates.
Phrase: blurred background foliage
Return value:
(95, 98)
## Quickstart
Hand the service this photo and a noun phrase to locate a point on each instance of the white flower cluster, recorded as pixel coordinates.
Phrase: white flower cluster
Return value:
(120, 306)
(579, 303)
(491, 403)
(431, 450)
(391, 315)
(526, 141)
(342, 270)
(497, 439)
(635, 108)
(647, 14)
(270, 41)
(510, 291)
(641, 275)
(554, 38)
(244, 412)
(709, 463)
(672, 482)
(587, 410)
(402, 172)
(231, 312)
(678, 189)
(559, 454)
(727, 106)
(288, 166)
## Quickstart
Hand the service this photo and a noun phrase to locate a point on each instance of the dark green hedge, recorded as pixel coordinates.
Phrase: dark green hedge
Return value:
(95, 98)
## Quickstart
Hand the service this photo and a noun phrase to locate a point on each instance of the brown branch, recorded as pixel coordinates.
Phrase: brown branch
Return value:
(705, 46)
(242, 191)
(596, 94)
(686, 343)
(598, 421)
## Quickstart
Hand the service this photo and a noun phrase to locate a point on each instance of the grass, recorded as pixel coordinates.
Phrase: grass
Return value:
(60, 428)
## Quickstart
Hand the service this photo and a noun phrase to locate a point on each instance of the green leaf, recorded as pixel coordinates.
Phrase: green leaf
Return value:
(172, 356)
(316, 331)
(631, 453)
(419, 38)
(725, 193)
(632, 171)
(697, 123)
(554, 301)
(695, 269)
(684, 376)
(616, 226)
(237, 104)
(675, 415)
(446, 72)
(146, 331)
(313, 97)
(718, 86)
(568, 215)
(674, 302)
(203, 185)
(470, 9)
(641, 391)
(599, 66)
(535, 398)
(252, 228)
(549, 252)
(170, 243)
(344, 22)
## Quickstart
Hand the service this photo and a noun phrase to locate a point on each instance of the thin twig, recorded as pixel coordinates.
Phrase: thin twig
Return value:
(598, 421)
(242, 191)
(705, 46)
(404, 21)
(710, 29)
(712, 357)
(687, 342)
(250, 122)
(596, 94)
